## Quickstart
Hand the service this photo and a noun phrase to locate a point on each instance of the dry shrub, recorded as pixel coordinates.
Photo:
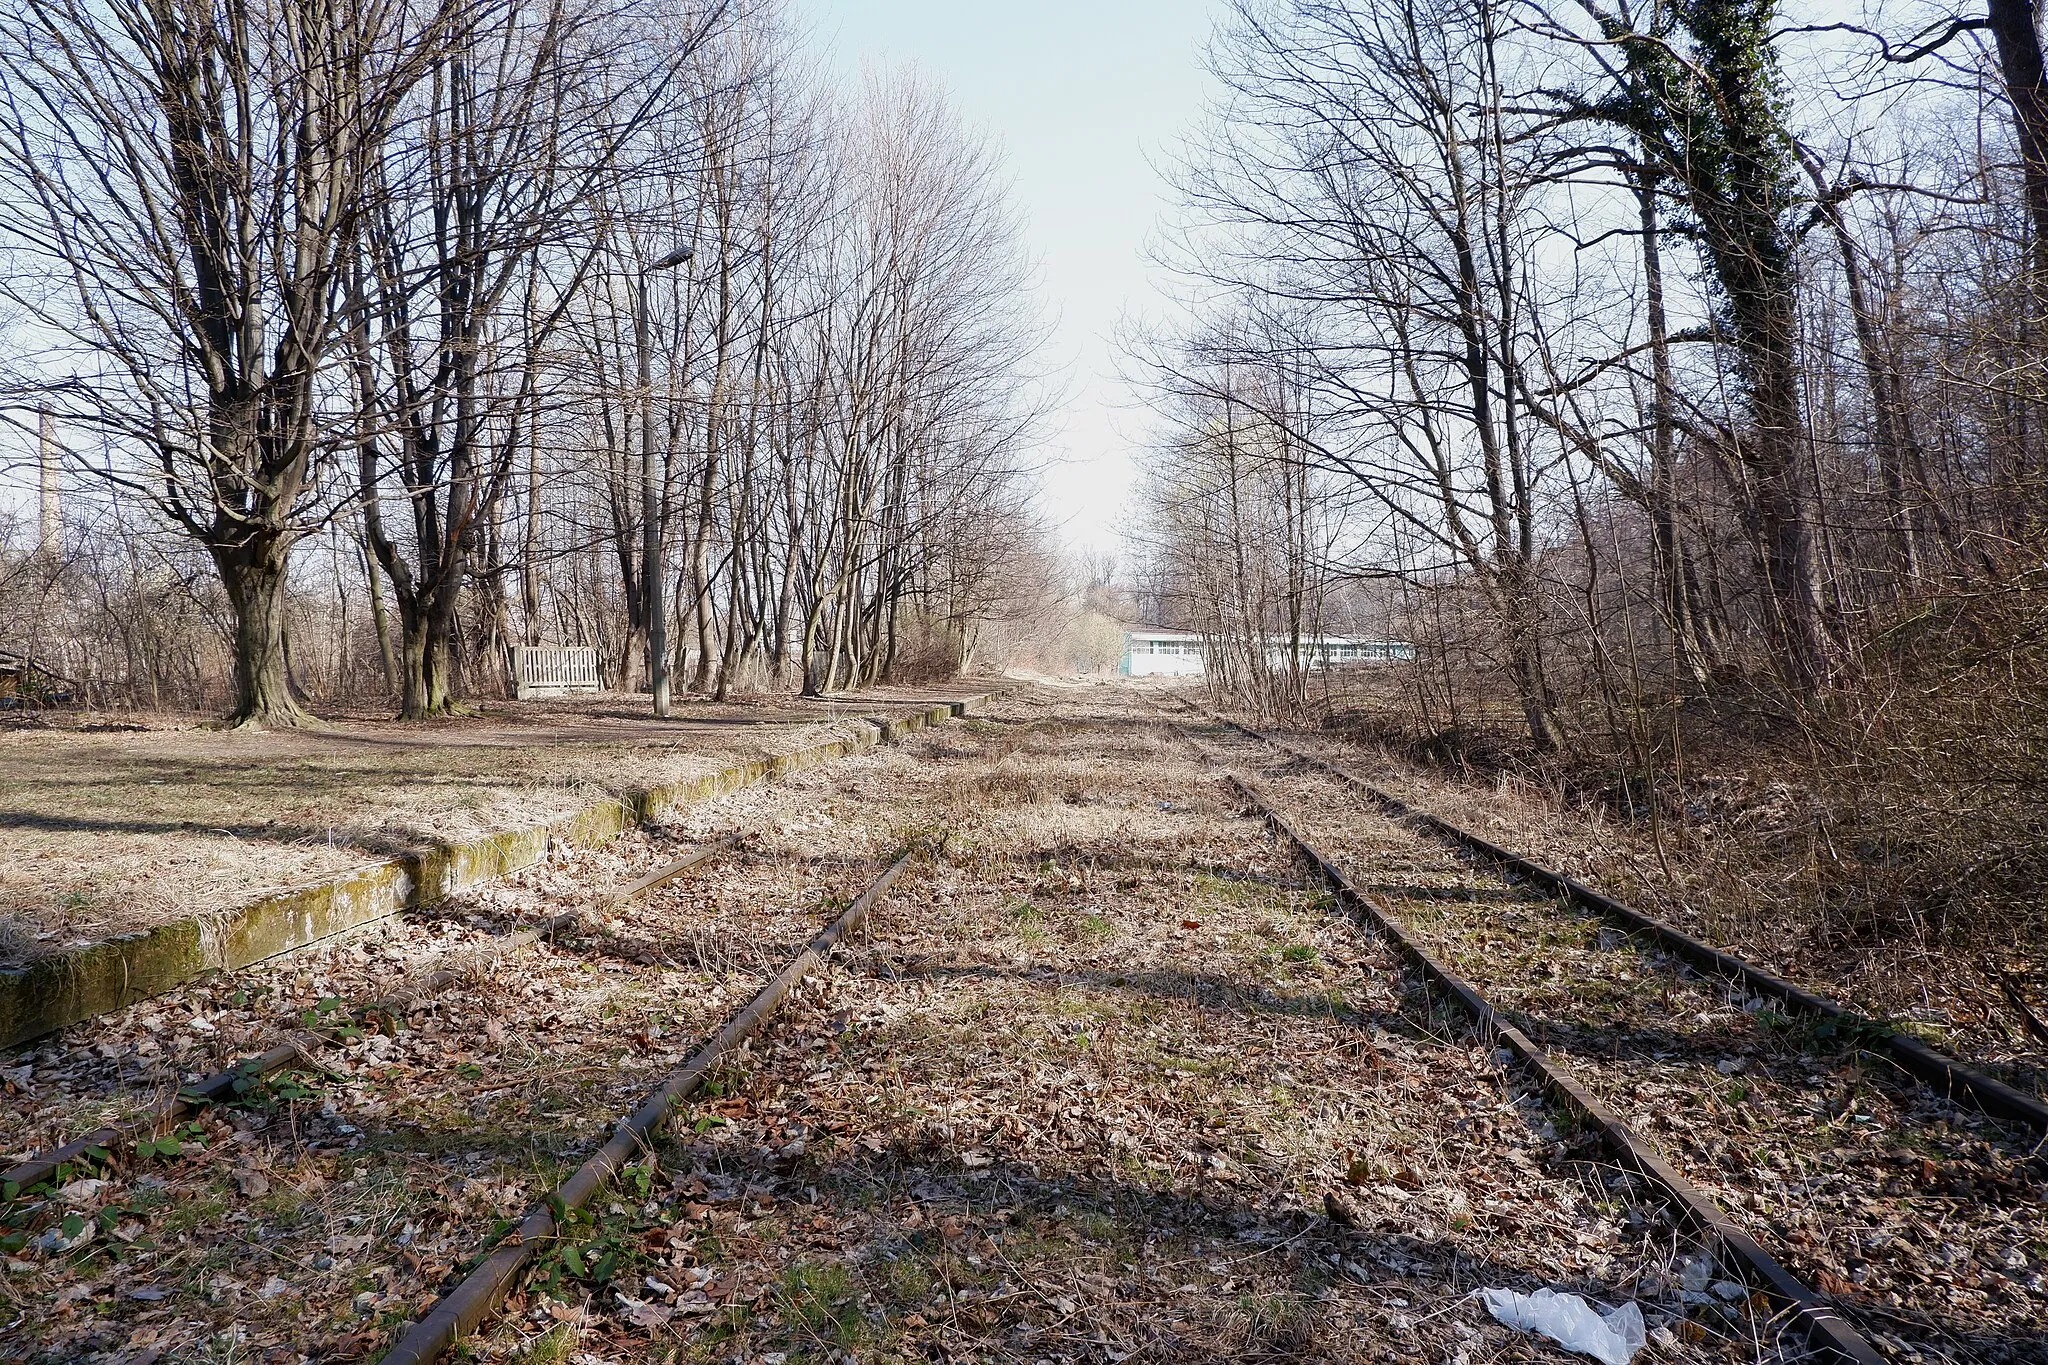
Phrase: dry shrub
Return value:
(928, 650)
(1906, 810)
(16, 941)
(1929, 786)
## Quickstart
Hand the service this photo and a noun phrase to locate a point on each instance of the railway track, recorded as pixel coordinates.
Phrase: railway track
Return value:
(469, 1303)
(395, 1135)
(940, 1143)
(1085, 1085)
(1819, 1157)
(1943, 1074)
(300, 1047)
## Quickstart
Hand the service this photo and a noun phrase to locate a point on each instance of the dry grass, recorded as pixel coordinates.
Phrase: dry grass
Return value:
(1917, 1219)
(1885, 842)
(106, 831)
(1080, 1094)
(326, 1205)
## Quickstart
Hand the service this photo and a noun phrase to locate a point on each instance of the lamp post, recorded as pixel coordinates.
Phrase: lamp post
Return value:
(650, 488)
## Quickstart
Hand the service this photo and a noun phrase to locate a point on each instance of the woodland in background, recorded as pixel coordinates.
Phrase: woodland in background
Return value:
(328, 313)
(1672, 374)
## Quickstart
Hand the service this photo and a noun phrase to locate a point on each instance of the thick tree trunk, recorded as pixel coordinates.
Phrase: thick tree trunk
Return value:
(2016, 30)
(734, 633)
(1521, 615)
(813, 685)
(529, 550)
(412, 697)
(778, 630)
(428, 670)
(430, 658)
(253, 573)
(1735, 168)
(842, 611)
(1784, 521)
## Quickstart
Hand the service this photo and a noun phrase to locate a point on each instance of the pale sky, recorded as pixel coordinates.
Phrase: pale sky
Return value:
(1084, 98)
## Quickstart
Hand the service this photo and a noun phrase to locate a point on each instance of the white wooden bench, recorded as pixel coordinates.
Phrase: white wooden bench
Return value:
(554, 670)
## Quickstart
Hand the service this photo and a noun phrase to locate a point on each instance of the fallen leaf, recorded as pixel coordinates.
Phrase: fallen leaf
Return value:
(1343, 1210)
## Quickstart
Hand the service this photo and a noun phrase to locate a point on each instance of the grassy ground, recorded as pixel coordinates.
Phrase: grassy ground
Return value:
(1085, 1090)
(110, 826)
(1919, 1220)
(1892, 865)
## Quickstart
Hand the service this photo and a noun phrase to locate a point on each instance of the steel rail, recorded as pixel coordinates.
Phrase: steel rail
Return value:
(226, 1083)
(1952, 1079)
(671, 871)
(1830, 1336)
(463, 1309)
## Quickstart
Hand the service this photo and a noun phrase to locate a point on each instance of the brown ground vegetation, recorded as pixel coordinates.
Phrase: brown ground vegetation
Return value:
(1083, 1091)
(115, 822)
(1808, 1143)
(1885, 842)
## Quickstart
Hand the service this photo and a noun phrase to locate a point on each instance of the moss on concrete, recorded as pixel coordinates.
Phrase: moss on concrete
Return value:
(65, 988)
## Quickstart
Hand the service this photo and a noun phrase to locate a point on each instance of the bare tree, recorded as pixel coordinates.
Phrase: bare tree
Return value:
(480, 233)
(185, 179)
(391, 301)
(1383, 208)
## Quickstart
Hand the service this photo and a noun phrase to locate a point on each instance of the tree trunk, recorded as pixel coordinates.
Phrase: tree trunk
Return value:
(253, 573)
(1783, 515)
(813, 685)
(529, 550)
(380, 617)
(2015, 28)
(1717, 133)
(1667, 548)
(1892, 432)
(1522, 617)
(785, 596)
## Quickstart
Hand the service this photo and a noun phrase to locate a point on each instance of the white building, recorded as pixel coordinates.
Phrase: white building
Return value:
(1161, 653)
(1153, 653)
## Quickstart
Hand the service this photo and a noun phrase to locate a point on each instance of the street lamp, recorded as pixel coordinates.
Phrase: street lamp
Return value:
(650, 488)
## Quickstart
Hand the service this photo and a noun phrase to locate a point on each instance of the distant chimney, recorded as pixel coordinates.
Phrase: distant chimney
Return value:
(50, 538)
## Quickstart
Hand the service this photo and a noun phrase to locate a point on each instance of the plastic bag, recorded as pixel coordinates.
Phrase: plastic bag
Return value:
(1571, 1322)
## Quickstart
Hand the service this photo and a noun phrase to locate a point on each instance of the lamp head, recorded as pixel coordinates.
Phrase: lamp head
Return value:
(674, 258)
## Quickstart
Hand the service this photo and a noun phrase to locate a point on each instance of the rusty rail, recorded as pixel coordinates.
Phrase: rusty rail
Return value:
(465, 1307)
(1952, 1079)
(1824, 1329)
(226, 1083)
(671, 871)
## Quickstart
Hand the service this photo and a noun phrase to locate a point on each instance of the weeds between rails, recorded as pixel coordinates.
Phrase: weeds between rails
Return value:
(417, 1145)
(55, 1201)
(1874, 1254)
(83, 1155)
(1829, 1337)
(465, 1307)
(1188, 1001)
(938, 1057)
(1943, 1074)
(1824, 1330)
